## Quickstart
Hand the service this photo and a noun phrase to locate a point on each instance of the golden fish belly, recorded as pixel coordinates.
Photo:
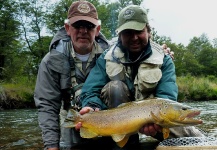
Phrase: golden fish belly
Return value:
(115, 122)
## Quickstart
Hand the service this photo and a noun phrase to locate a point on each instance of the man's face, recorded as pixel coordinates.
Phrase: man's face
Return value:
(82, 34)
(134, 40)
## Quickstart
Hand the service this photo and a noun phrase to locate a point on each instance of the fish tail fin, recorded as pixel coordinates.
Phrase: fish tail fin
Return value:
(71, 119)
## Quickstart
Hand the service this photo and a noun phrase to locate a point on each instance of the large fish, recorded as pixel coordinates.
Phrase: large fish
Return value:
(128, 118)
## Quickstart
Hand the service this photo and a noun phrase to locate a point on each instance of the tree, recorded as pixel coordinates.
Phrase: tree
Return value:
(124, 3)
(56, 14)
(9, 33)
(215, 42)
(31, 15)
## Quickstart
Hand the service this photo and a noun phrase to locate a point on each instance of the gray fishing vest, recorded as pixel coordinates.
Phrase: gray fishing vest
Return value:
(149, 72)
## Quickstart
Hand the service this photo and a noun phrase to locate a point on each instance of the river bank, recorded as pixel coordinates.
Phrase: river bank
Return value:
(16, 96)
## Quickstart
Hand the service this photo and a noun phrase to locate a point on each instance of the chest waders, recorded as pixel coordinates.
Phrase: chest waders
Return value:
(79, 72)
(78, 79)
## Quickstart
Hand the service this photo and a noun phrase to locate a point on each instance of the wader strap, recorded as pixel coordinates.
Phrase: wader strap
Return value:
(77, 87)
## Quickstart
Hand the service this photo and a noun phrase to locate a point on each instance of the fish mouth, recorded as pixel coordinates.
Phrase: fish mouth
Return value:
(189, 118)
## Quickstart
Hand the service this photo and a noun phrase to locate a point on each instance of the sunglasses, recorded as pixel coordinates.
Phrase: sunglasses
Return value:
(83, 24)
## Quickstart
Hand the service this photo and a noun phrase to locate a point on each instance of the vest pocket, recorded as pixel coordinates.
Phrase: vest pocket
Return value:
(148, 77)
(115, 71)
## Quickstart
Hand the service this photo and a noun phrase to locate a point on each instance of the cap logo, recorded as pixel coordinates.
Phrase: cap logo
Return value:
(84, 8)
(128, 14)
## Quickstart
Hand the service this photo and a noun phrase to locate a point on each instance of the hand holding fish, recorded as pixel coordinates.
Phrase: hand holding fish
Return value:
(150, 129)
(82, 112)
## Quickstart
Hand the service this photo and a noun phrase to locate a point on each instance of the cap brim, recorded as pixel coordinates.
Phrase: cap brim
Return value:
(78, 18)
(131, 25)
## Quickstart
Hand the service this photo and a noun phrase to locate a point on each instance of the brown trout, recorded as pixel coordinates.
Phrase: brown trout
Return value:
(128, 118)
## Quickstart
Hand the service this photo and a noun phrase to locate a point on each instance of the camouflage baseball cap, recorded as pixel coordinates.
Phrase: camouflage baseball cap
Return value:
(132, 17)
(83, 10)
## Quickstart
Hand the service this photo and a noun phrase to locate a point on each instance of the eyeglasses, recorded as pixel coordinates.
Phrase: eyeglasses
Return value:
(83, 24)
(131, 32)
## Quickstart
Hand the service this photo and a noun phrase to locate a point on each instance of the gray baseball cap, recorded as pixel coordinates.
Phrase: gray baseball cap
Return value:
(132, 17)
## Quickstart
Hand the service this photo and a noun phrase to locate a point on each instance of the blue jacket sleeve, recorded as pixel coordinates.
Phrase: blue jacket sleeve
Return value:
(93, 85)
(167, 87)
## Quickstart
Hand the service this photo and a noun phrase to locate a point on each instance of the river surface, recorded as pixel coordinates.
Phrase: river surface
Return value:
(19, 127)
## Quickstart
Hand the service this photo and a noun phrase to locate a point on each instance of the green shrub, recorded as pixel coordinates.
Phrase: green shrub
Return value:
(197, 88)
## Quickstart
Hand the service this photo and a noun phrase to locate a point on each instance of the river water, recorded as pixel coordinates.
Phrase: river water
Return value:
(19, 127)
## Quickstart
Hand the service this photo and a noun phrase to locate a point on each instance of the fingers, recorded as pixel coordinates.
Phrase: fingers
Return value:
(78, 126)
(168, 51)
(164, 46)
(86, 110)
(82, 112)
(150, 129)
(157, 128)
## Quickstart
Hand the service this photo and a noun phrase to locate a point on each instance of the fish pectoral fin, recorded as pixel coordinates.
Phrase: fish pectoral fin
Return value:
(166, 132)
(87, 133)
(121, 140)
(158, 120)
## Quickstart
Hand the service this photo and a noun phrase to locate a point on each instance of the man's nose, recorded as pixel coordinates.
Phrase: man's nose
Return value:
(134, 36)
(82, 29)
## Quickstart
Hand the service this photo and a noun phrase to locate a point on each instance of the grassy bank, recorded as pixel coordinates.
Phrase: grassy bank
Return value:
(20, 95)
(197, 89)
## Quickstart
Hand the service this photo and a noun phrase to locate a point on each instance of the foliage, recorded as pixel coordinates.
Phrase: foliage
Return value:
(56, 14)
(194, 88)
(17, 95)
(27, 27)
(20, 95)
(9, 33)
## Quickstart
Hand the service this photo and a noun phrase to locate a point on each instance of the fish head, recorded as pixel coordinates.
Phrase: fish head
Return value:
(173, 114)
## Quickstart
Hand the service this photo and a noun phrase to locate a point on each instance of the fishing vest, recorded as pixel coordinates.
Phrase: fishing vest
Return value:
(149, 72)
(79, 69)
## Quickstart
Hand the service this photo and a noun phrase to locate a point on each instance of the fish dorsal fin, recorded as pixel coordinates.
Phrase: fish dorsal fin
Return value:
(124, 104)
(87, 133)
(121, 140)
(166, 132)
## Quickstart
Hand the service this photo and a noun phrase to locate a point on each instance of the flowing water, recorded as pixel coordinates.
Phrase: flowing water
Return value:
(19, 127)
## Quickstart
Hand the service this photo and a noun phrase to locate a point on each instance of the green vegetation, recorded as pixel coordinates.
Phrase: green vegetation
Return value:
(197, 88)
(17, 95)
(190, 89)
(23, 43)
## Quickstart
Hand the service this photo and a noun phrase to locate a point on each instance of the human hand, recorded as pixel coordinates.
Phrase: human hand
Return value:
(150, 129)
(167, 51)
(53, 148)
(83, 111)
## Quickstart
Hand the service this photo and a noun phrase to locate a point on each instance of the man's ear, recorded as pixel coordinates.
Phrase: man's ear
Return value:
(97, 30)
(66, 25)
